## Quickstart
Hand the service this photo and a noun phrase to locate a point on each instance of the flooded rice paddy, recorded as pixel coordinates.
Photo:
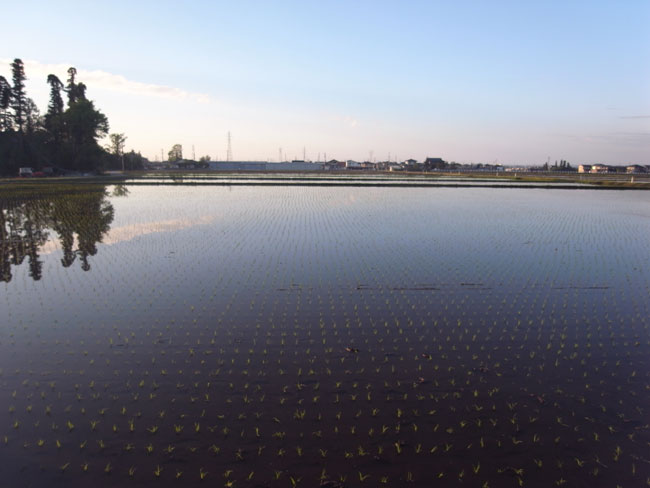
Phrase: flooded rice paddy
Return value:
(340, 336)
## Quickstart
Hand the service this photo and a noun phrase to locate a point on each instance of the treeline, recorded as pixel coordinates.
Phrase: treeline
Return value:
(65, 138)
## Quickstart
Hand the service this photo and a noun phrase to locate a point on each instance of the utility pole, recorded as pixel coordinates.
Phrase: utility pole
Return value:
(229, 152)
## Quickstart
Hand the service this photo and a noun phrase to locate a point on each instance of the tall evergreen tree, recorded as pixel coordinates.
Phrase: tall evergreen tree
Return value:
(70, 88)
(53, 118)
(55, 106)
(18, 97)
(5, 98)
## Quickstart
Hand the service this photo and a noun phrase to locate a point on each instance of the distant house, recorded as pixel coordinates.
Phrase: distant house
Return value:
(635, 168)
(350, 164)
(434, 163)
(411, 162)
(601, 168)
(584, 168)
(383, 165)
(492, 167)
(333, 165)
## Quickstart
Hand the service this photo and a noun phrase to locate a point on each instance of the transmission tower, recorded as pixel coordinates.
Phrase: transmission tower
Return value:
(280, 155)
(229, 153)
(193, 153)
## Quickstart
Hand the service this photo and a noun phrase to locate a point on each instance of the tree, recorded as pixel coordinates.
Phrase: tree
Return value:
(80, 89)
(5, 98)
(205, 159)
(66, 136)
(176, 153)
(53, 122)
(135, 160)
(56, 102)
(71, 87)
(18, 97)
(116, 146)
(32, 116)
(76, 91)
(84, 125)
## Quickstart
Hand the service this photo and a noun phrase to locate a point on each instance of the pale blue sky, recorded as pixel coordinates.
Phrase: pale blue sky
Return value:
(482, 81)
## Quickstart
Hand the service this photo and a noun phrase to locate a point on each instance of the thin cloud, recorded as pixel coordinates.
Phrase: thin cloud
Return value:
(634, 117)
(104, 80)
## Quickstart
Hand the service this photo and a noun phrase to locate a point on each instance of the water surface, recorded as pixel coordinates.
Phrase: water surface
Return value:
(366, 336)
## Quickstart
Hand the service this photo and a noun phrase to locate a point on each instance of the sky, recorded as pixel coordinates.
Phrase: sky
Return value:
(512, 82)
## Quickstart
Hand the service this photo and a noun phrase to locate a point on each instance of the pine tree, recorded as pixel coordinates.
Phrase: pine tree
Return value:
(18, 97)
(5, 98)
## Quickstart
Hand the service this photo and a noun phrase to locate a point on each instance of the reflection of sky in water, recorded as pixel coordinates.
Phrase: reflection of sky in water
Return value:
(250, 238)
(128, 232)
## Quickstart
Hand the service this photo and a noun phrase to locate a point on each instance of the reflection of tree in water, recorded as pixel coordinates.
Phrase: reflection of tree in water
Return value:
(83, 218)
(22, 232)
(120, 191)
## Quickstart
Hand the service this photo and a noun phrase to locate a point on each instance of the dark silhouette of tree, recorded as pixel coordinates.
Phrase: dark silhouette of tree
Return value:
(55, 107)
(65, 136)
(116, 146)
(76, 91)
(53, 118)
(81, 91)
(5, 98)
(32, 116)
(84, 125)
(176, 153)
(18, 97)
(71, 86)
